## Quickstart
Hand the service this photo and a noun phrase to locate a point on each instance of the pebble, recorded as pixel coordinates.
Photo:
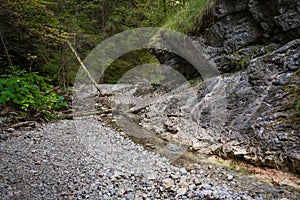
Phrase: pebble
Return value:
(151, 176)
(174, 176)
(197, 181)
(181, 191)
(121, 192)
(130, 196)
(173, 147)
(183, 181)
(95, 162)
(196, 146)
(10, 130)
(229, 177)
(168, 182)
(183, 171)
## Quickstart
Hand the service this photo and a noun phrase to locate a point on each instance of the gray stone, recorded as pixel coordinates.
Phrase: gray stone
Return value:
(198, 181)
(229, 177)
(168, 182)
(181, 191)
(183, 171)
(196, 145)
(130, 196)
(174, 176)
(121, 192)
(152, 176)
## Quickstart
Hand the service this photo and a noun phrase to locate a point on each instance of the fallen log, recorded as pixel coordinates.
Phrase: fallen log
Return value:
(81, 114)
(26, 123)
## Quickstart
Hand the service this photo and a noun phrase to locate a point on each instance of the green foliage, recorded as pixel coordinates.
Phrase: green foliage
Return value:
(34, 32)
(243, 63)
(297, 106)
(192, 81)
(156, 81)
(190, 18)
(28, 92)
(126, 62)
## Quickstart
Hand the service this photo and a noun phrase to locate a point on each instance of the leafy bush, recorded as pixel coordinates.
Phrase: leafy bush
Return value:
(28, 92)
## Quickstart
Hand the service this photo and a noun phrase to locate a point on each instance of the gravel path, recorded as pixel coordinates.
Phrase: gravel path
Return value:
(86, 160)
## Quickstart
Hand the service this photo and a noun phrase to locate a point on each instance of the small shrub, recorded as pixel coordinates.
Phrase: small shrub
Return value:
(156, 81)
(28, 92)
(193, 81)
(243, 63)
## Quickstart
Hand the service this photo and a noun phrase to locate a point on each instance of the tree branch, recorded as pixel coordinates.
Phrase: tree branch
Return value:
(85, 69)
(6, 51)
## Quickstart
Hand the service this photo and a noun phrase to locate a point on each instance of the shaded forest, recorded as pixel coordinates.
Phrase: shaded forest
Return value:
(33, 33)
(35, 57)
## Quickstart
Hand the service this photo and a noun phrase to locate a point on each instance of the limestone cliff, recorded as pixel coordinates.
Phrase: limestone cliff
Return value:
(255, 45)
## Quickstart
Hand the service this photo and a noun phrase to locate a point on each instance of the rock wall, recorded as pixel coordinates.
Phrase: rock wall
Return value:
(255, 45)
(241, 30)
(258, 111)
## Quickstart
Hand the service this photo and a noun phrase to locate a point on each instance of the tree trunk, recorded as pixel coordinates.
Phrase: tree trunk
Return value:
(103, 14)
(6, 51)
(165, 7)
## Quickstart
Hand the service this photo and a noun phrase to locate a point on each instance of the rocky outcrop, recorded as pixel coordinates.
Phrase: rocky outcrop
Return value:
(258, 111)
(239, 31)
(257, 123)
(256, 48)
(242, 29)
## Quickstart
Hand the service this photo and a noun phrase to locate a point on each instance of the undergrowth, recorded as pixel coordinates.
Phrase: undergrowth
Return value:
(28, 93)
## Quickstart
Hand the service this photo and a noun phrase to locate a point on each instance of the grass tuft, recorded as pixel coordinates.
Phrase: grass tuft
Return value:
(192, 17)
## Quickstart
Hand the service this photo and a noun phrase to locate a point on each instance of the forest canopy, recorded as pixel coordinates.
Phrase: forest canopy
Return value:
(33, 32)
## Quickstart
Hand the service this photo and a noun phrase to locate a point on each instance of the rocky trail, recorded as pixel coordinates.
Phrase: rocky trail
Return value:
(157, 136)
(84, 159)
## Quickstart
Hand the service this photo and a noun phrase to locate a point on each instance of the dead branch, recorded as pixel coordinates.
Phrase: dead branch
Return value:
(85, 69)
(26, 123)
(77, 114)
(6, 51)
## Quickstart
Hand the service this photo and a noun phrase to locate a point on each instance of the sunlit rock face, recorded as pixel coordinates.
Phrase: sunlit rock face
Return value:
(256, 47)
